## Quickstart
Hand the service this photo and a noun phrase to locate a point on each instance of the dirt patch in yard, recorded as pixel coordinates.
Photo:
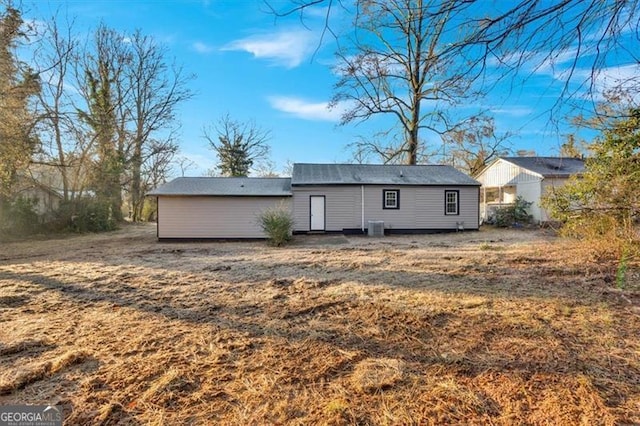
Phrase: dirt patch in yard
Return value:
(493, 327)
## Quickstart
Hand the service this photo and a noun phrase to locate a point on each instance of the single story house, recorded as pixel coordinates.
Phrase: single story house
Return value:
(529, 177)
(343, 198)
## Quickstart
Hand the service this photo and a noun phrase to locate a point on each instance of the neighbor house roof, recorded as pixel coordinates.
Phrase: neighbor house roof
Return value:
(360, 174)
(226, 186)
(549, 166)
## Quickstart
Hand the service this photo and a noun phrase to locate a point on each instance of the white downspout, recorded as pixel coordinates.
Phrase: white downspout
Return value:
(484, 203)
(362, 205)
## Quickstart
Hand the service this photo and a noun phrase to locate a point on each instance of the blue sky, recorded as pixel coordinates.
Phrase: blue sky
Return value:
(276, 72)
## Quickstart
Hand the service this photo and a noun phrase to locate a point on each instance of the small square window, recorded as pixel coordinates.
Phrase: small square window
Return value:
(390, 199)
(451, 204)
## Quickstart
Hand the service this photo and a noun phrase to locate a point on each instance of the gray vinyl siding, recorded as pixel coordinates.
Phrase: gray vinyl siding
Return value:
(430, 208)
(421, 207)
(213, 217)
(402, 218)
(342, 207)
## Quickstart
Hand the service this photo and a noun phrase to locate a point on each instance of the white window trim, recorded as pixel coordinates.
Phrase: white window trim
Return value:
(396, 199)
(455, 202)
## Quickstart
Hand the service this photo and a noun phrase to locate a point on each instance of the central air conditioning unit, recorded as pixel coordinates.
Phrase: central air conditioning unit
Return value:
(376, 228)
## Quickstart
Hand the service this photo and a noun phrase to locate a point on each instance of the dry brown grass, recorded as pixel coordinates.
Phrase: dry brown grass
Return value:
(494, 327)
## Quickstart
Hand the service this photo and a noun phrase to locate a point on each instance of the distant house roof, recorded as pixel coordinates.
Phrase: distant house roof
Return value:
(360, 174)
(549, 166)
(226, 186)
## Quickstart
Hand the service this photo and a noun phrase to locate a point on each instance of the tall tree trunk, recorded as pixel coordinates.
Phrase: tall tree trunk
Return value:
(414, 142)
(136, 187)
(62, 165)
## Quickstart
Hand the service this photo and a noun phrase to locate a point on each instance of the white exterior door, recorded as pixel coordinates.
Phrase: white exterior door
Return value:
(317, 213)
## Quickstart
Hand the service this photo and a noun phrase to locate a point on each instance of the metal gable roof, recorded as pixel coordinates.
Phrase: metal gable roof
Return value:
(549, 166)
(387, 174)
(226, 186)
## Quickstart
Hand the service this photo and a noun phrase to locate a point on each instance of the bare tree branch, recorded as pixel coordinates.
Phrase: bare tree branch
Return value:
(473, 144)
(574, 41)
(392, 67)
(238, 145)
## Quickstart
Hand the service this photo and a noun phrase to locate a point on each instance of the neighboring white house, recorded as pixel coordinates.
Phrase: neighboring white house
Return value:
(322, 198)
(529, 177)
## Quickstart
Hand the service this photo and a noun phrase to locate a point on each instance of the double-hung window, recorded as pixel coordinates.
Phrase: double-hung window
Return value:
(390, 199)
(451, 202)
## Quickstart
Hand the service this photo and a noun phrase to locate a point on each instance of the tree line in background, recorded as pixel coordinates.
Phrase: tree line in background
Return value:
(87, 124)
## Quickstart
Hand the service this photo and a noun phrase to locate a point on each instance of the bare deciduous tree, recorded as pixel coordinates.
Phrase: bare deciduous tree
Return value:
(106, 112)
(238, 145)
(525, 35)
(473, 144)
(156, 89)
(157, 161)
(184, 164)
(265, 168)
(392, 66)
(64, 146)
(287, 169)
(132, 95)
(477, 44)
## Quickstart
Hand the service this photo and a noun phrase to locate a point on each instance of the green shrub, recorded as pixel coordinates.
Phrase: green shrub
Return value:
(515, 214)
(19, 217)
(277, 223)
(85, 215)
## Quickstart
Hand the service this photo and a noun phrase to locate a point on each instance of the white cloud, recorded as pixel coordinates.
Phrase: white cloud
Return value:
(300, 108)
(201, 47)
(554, 64)
(286, 48)
(516, 111)
(557, 65)
(623, 77)
(563, 67)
